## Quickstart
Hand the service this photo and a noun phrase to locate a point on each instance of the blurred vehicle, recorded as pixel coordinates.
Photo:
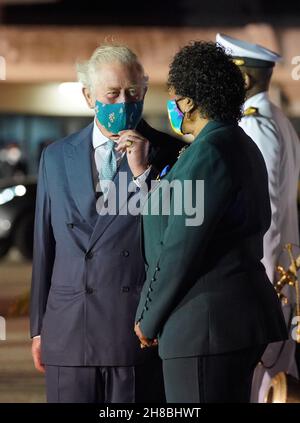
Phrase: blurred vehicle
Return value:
(12, 161)
(17, 207)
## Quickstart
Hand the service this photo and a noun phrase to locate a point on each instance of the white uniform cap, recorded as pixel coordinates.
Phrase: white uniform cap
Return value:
(249, 54)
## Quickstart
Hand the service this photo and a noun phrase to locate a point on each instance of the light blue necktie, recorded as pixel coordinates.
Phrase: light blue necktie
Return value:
(108, 165)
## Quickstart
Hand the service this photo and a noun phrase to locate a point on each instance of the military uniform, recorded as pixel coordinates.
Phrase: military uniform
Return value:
(277, 140)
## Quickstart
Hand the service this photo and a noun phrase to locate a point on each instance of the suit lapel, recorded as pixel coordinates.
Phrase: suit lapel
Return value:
(210, 126)
(121, 181)
(77, 154)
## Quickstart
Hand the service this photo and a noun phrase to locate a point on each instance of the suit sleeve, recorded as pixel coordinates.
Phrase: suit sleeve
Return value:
(183, 246)
(265, 135)
(43, 252)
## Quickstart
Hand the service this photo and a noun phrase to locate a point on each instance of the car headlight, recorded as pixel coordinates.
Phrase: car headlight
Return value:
(5, 226)
(8, 194)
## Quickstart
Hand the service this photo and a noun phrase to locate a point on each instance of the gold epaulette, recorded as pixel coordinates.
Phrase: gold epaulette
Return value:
(250, 111)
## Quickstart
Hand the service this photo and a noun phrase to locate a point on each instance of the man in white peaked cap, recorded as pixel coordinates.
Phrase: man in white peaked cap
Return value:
(278, 142)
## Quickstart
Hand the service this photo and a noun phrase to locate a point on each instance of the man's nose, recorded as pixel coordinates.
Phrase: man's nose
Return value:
(124, 97)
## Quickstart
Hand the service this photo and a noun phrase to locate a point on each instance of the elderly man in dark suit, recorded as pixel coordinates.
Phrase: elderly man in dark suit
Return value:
(88, 270)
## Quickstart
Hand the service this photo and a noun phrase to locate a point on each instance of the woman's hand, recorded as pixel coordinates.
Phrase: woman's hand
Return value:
(145, 342)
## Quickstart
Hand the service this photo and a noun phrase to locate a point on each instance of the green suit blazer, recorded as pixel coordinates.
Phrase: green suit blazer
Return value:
(206, 290)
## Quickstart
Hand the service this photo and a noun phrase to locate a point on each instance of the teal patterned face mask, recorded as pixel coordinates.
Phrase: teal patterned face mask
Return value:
(117, 117)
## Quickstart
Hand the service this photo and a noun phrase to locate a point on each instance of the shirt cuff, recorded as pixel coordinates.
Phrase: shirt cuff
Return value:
(141, 179)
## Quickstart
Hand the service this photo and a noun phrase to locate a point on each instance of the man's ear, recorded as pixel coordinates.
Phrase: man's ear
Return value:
(88, 97)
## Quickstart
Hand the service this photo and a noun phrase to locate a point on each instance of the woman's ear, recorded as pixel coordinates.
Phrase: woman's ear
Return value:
(189, 106)
(88, 97)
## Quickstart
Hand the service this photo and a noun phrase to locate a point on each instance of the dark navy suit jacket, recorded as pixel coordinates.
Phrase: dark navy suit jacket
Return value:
(88, 270)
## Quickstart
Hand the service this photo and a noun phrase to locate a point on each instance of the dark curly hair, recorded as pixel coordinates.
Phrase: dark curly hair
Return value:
(203, 72)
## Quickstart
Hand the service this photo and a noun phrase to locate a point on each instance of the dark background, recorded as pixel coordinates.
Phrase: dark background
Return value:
(153, 12)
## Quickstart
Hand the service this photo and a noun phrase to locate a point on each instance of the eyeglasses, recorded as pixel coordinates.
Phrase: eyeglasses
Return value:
(177, 100)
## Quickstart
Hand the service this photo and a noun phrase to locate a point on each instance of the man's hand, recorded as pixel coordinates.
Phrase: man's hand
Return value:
(137, 148)
(36, 354)
(145, 342)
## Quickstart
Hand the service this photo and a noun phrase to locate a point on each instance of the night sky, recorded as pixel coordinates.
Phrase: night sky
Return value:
(155, 13)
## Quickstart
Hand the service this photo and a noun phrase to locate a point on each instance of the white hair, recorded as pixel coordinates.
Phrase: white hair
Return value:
(107, 53)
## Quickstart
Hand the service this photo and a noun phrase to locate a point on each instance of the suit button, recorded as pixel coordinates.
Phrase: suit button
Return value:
(89, 255)
(153, 279)
(125, 253)
(157, 269)
(146, 308)
(150, 289)
(89, 290)
(70, 225)
(125, 289)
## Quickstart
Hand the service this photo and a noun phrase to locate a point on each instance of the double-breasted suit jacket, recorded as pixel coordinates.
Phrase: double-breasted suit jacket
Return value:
(88, 270)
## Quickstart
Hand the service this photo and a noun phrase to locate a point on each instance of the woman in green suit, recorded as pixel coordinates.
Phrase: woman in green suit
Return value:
(207, 301)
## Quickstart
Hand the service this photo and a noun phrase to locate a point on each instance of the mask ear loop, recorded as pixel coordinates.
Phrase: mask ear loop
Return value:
(185, 114)
(188, 114)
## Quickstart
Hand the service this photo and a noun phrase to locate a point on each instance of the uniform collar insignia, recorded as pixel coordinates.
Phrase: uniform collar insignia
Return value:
(250, 111)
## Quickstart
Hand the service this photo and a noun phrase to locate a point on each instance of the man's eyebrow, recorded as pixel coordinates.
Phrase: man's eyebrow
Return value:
(119, 88)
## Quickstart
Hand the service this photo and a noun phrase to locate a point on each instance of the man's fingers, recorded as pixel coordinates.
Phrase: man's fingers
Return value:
(39, 367)
(37, 362)
(128, 143)
(130, 132)
(132, 137)
(123, 146)
(36, 354)
(125, 143)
